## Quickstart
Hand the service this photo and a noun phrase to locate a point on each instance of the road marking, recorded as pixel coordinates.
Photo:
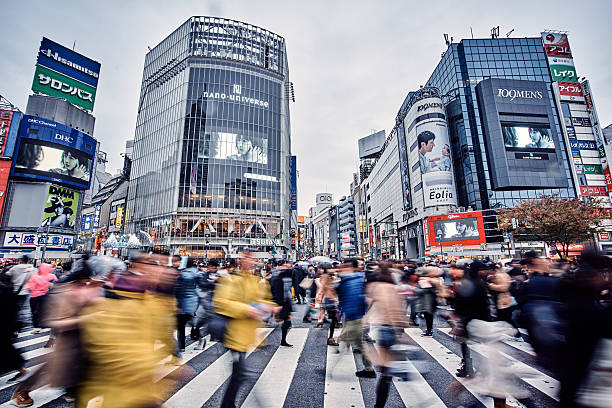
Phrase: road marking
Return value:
(4, 379)
(31, 342)
(519, 345)
(29, 333)
(342, 388)
(450, 362)
(199, 390)
(416, 392)
(190, 353)
(273, 385)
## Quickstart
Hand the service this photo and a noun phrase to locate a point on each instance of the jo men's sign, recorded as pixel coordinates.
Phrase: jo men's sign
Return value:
(513, 94)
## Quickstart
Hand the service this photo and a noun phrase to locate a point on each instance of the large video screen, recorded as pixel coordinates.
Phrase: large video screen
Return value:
(233, 146)
(37, 157)
(456, 230)
(527, 137)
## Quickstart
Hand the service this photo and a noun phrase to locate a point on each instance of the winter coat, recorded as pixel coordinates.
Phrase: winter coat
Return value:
(426, 294)
(298, 275)
(351, 296)
(471, 301)
(233, 297)
(280, 286)
(186, 295)
(388, 306)
(39, 283)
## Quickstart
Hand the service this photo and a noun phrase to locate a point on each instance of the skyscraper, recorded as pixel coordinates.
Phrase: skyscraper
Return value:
(212, 149)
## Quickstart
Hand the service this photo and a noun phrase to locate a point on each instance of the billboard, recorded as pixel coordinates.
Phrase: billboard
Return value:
(6, 118)
(426, 129)
(60, 208)
(294, 183)
(86, 222)
(570, 91)
(63, 73)
(518, 137)
(233, 146)
(371, 145)
(20, 239)
(520, 134)
(456, 229)
(5, 171)
(403, 164)
(561, 65)
(49, 151)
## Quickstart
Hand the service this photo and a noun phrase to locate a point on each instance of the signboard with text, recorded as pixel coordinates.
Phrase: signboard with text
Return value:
(64, 73)
(28, 239)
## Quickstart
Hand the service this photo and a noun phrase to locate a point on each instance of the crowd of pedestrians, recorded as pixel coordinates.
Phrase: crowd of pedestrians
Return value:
(113, 322)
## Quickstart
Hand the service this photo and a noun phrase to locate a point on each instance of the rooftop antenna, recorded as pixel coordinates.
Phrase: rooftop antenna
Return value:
(509, 32)
(472, 32)
(448, 43)
(495, 32)
(73, 45)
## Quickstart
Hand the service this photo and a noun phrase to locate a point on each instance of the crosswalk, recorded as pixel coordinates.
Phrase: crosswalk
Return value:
(312, 374)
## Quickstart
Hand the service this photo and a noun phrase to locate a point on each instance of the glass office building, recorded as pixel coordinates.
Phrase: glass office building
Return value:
(463, 66)
(212, 150)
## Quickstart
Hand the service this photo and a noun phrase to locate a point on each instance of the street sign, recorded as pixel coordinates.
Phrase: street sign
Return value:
(506, 235)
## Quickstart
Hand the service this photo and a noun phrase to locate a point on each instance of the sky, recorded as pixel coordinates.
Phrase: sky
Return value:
(352, 62)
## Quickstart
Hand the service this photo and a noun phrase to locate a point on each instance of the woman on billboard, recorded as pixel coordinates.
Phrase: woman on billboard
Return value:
(73, 166)
(63, 214)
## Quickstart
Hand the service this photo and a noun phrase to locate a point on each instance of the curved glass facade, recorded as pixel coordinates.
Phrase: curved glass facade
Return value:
(212, 149)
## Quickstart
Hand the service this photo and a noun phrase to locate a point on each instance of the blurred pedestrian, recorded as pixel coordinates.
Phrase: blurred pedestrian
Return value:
(388, 316)
(426, 291)
(186, 298)
(244, 301)
(38, 284)
(19, 275)
(352, 301)
(280, 285)
(205, 288)
(9, 304)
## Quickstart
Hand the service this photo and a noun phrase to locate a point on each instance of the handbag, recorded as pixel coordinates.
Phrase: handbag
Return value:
(217, 327)
(306, 283)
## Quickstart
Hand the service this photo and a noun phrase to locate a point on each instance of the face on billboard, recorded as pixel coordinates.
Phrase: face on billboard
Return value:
(36, 157)
(527, 137)
(232, 146)
(436, 164)
(456, 230)
(60, 208)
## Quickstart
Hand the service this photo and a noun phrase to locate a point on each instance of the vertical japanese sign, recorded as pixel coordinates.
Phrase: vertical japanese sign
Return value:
(6, 118)
(294, 183)
(119, 217)
(561, 64)
(403, 165)
(599, 139)
(96, 217)
(5, 171)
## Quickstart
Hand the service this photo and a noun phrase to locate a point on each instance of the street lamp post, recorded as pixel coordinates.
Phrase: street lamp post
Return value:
(41, 230)
(439, 238)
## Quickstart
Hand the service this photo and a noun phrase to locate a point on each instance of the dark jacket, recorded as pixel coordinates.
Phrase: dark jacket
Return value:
(298, 275)
(471, 301)
(351, 296)
(280, 286)
(186, 295)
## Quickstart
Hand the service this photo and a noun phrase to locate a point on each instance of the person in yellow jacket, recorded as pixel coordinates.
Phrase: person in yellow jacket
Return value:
(244, 298)
(126, 334)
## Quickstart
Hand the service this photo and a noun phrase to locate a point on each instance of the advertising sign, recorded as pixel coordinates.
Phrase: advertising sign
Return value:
(119, 217)
(28, 239)
(49, 151)
(593, 191)
(403, 165)
(60, 208)
(592, 169)
(570, 91)
(294, 183)
(583, 145)
(556, 45)
(63, 73)
(96, 217)
(5, 171)
(6, 117)
(565, 73)
(425, 124)
(457, 229)
(51, 83)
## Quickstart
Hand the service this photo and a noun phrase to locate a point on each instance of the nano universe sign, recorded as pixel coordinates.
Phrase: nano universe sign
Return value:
(235, 97)
(517, 93)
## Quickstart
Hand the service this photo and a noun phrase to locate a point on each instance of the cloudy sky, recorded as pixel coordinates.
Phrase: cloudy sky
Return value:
(352, 62)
